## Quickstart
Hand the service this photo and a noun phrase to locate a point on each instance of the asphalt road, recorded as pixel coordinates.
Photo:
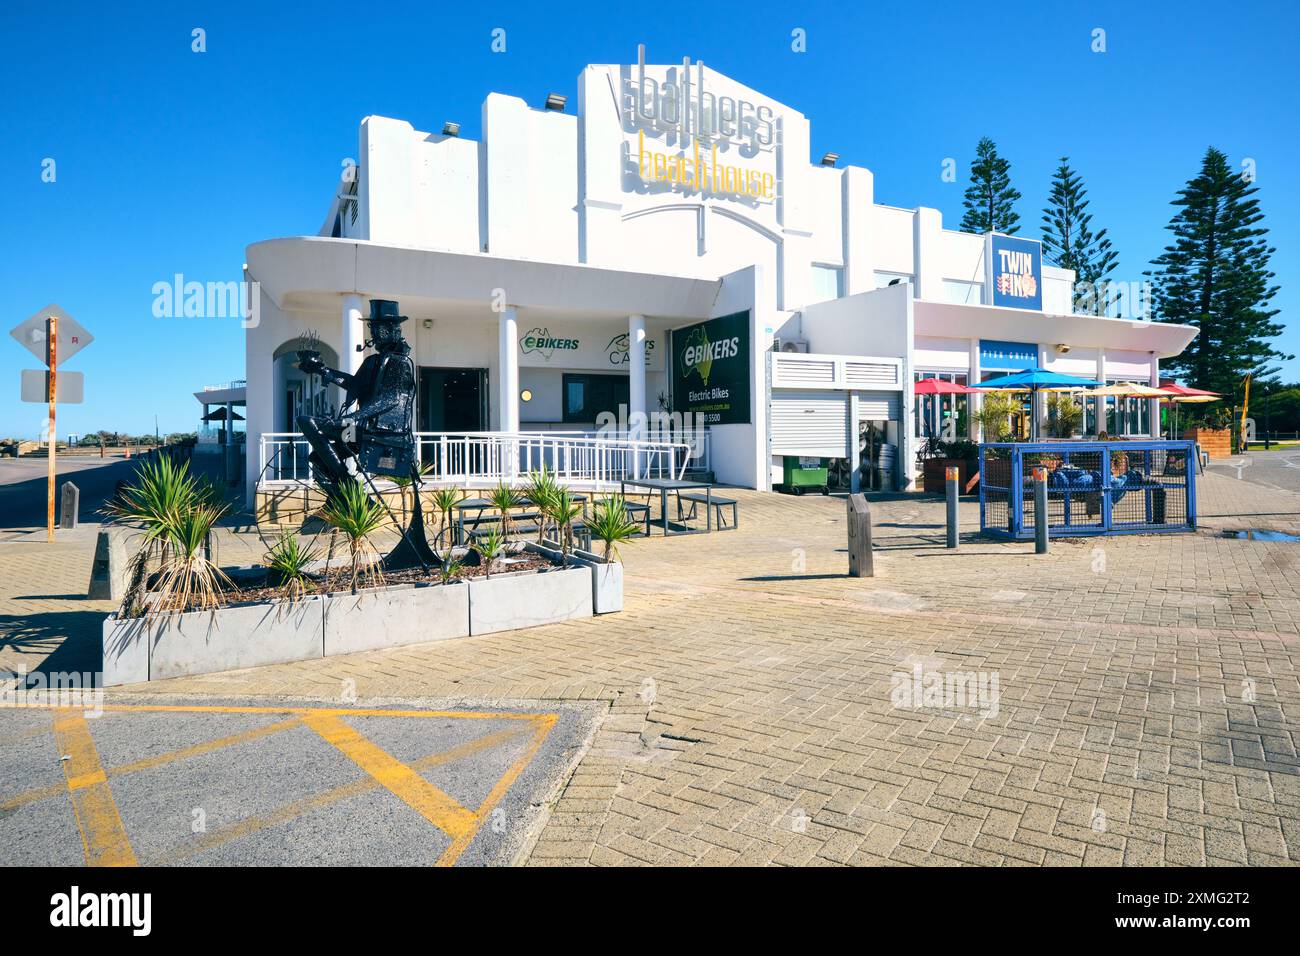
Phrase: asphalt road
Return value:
(264, 782)
(1276, 469)
(23, 487)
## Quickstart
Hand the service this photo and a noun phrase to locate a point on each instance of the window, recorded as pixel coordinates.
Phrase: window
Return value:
(942, 417)
(827, 283)
(963, 293)
(1125, 415)
(586, 396)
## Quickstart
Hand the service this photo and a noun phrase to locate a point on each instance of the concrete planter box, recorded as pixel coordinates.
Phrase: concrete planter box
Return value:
(606, 577)
(126, 651)
(251, 635)
(394, 617)
(507, 602)
(202, 642)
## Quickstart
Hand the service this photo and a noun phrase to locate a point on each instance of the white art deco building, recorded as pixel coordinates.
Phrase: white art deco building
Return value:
(672, 245)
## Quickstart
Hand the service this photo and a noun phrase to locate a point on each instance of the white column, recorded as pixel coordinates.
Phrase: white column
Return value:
(974, 400)
(1100, 403)
(354, 332)
(636, 409)
(508, 376)
(1154, 403)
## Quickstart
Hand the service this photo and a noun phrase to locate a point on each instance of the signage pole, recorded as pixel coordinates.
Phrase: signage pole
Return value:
(52, 349)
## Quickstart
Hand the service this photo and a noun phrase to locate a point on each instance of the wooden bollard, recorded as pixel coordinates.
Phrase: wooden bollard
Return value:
(69, 505)
(860, 561)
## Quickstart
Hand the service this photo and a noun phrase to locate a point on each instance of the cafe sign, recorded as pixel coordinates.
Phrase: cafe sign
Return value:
(588, 347)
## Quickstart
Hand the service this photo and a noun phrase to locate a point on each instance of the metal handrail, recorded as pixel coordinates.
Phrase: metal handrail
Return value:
(471, 459)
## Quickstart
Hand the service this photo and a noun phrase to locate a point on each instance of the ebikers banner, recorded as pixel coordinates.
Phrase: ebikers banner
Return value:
(711, 370)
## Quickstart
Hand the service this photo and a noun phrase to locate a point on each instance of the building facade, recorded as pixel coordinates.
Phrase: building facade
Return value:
(670, 247)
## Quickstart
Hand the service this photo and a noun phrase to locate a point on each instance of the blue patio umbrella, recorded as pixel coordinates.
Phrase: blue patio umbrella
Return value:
(1031, 380)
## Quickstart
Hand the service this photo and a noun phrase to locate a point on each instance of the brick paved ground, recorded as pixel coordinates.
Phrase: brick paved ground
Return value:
(1147, 712)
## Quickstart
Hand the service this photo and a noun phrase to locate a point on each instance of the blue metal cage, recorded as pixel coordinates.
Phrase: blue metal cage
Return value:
(1093, 487)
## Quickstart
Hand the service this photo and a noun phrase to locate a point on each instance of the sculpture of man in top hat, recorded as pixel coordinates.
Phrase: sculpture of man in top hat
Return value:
(374, 424)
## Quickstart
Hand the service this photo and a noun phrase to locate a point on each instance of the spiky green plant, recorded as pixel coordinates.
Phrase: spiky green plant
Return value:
(611, 525)
(356, 517)
(490, 545)
(562, 512)
(288, 561)
(449, 568)
(444, 501)
(503, 498)
(540, 489)
(190, 581)
(160, 496)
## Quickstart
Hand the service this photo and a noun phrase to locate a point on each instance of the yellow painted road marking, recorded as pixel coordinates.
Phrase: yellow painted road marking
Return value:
(435, 805)
(158, 760)
(346, 791)
(382, 768)
(541, 729)
(323, 711)
(102, 835)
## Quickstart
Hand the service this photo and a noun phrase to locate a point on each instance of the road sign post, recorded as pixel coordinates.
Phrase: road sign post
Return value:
(52, 342)
(50, 323)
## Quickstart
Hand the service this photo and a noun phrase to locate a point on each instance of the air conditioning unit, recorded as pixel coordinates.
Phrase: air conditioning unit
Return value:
(789, 345)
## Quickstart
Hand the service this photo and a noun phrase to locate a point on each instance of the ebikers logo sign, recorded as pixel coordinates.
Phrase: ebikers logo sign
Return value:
(711, 370)
(545, 344)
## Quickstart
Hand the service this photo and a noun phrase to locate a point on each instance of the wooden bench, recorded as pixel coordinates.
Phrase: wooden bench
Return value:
(581, 535)
(717, 502)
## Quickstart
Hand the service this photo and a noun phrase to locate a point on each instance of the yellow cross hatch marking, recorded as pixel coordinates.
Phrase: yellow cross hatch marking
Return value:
(345, 791)
(435, 805)
(103, 837)
(541, 729)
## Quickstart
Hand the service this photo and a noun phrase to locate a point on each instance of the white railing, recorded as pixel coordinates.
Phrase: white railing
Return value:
(483, 459)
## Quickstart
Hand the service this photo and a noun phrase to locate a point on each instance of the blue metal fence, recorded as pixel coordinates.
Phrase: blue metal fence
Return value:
(1093, 487)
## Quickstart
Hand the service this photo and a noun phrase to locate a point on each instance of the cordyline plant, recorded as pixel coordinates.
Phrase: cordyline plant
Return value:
(356, 517)
(444, 501)
(288, 560)
(164, 500)
(540, 489)
(503, 498)
(562, 512)
(190, 581)
(490, 544)
(611, 525)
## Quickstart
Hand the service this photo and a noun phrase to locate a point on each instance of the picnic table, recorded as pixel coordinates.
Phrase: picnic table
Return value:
(677, 485)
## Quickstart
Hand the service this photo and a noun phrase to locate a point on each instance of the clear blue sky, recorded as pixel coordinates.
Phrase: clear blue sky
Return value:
(170, 161)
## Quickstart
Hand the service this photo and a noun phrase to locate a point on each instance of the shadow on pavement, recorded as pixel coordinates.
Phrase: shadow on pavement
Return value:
(56, 641)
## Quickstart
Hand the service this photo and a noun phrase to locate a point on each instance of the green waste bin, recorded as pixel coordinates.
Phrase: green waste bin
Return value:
(801, 473)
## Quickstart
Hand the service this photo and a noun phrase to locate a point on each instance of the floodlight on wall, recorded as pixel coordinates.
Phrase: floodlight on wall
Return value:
(830, 159)
(554, 101)
(450, 129)
(526, 395)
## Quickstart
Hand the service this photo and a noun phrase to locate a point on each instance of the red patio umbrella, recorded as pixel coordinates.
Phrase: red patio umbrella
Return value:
(938, 386)
(1186, 390)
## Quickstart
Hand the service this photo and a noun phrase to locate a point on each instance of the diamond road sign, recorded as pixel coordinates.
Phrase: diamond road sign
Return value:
(72, 337)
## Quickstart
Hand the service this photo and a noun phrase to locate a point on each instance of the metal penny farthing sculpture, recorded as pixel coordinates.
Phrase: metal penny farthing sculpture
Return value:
(371, 434)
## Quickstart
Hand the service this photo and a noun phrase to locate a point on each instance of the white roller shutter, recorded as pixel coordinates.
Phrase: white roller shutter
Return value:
(809, 423)
(880, 406)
